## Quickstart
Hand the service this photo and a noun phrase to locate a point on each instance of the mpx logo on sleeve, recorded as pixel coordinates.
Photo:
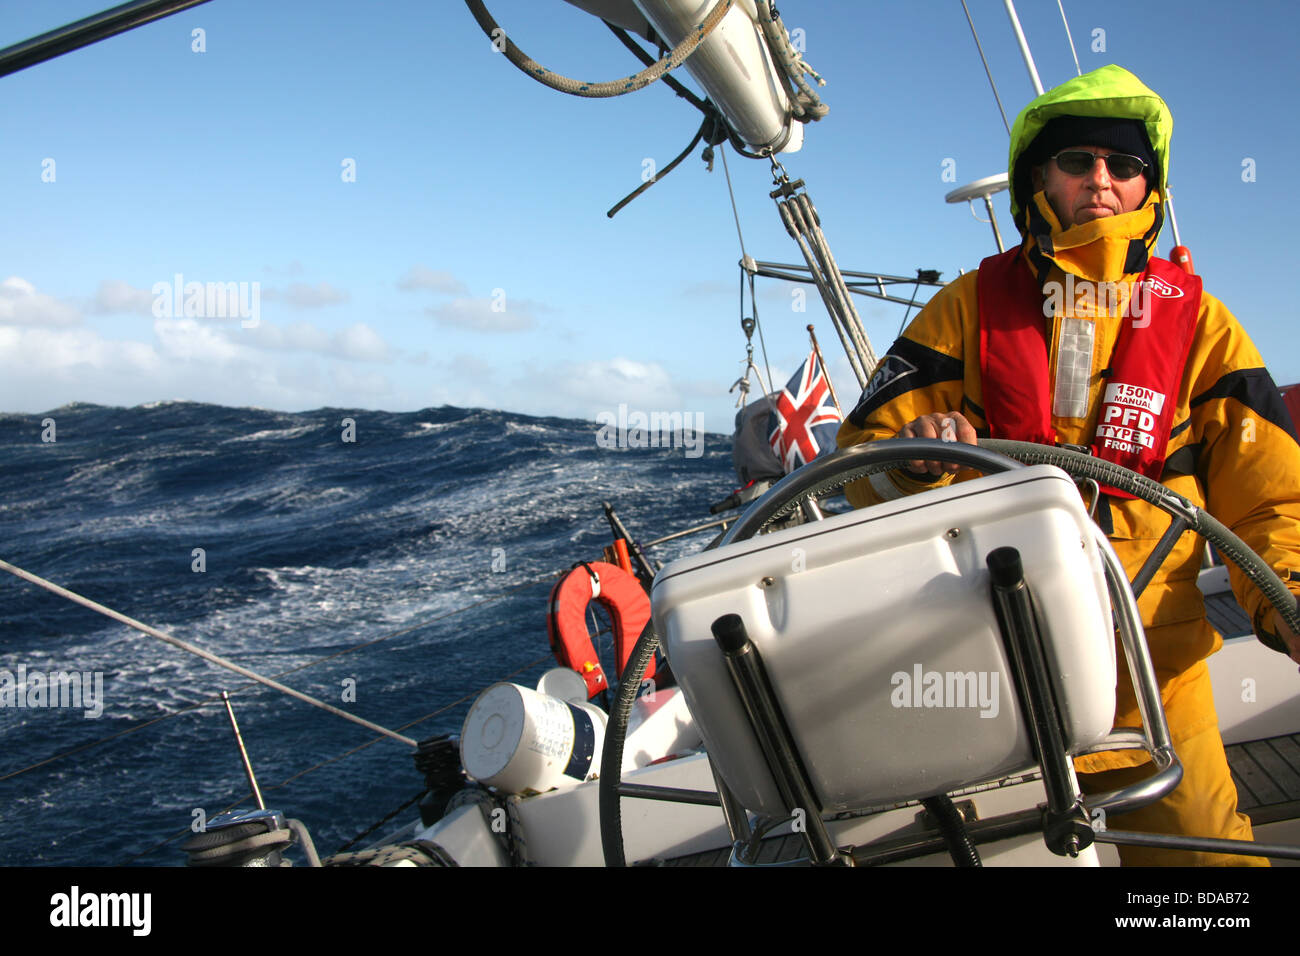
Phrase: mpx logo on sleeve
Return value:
(890, 370)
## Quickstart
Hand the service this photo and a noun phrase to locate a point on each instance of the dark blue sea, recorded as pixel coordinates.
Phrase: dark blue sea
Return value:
(434, 534)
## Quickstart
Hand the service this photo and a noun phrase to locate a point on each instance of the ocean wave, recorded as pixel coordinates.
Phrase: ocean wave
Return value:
(438, 555)
(275, 434)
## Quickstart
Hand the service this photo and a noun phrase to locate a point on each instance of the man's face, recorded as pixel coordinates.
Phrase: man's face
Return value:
(1093, 195)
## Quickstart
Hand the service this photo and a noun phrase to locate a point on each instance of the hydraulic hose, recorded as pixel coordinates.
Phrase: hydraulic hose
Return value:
(611, 760)
(1202, 522)
(953, 829)
(991, 455)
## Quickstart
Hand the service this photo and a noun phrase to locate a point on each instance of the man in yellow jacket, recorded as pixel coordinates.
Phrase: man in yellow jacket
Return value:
(1082, 337)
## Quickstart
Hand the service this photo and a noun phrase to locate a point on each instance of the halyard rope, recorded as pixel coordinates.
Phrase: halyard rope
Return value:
(564, 84)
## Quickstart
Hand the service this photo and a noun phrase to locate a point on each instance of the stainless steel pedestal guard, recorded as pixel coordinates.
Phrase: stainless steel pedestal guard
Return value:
(829, 474)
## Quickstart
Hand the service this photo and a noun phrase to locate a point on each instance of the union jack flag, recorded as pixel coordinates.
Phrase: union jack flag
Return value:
(804, 421)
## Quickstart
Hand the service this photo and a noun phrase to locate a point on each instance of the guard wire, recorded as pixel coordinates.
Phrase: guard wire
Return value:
(347, 753)
(312, 663)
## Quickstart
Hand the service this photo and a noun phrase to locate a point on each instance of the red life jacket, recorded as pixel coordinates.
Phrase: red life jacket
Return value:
(1146, 368)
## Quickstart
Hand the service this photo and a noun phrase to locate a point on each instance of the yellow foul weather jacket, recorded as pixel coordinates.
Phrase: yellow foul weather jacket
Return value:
(1232, 448)
(1230, 452)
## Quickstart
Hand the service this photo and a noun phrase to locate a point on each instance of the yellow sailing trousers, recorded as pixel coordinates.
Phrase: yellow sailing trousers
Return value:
(1204, 804)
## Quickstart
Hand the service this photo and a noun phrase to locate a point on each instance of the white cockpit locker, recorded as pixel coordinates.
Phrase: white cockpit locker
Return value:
(879, 636)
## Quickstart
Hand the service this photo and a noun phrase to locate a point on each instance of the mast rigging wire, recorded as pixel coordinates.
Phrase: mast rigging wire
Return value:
(1077, 69)
(735, 213)
(987, 71)
(745, 264)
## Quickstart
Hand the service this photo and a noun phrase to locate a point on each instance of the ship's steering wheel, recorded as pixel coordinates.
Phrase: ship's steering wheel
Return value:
(829, 474)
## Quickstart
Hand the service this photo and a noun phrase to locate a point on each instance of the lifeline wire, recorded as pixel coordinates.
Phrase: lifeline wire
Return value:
(324, 763)
(312, 663)
(206, 655)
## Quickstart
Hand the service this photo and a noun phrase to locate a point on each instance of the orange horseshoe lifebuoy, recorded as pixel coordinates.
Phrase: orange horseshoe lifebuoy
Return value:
(620, 594)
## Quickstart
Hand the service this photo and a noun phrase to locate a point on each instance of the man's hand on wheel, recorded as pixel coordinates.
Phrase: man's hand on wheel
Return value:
(1288, 636)
(945, 426)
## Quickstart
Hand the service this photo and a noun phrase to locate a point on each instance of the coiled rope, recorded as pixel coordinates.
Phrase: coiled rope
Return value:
(804, 100)
(564, 84)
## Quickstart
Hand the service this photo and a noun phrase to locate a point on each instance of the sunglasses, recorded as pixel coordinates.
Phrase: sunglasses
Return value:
(1078, 162)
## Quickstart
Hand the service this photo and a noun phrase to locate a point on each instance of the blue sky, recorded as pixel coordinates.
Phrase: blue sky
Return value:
(475, 184)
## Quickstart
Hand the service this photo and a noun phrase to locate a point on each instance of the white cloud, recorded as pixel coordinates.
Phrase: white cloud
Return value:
(187, 340)
(362, 343)
(495, 314)
(21, 304)
(44, 366)
(303, 296)
(58, 352)
(115, 295)
(300, 336)
(42, 369)
(371, 385)
(421, 277)
(358, 342)
(581, 389)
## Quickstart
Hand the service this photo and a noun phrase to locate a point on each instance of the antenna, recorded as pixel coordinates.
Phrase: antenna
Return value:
(1180, 255)
(982, 189)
